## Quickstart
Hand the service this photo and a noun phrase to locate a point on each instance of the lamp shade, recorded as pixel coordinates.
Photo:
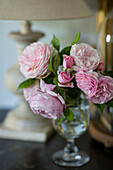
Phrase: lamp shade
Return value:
(45, 9)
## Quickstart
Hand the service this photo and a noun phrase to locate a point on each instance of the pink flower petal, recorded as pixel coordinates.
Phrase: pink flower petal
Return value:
(85, 56)
(46, 87)
(71, 85)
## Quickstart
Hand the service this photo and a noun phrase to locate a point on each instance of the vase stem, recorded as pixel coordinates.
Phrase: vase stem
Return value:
(70, 150)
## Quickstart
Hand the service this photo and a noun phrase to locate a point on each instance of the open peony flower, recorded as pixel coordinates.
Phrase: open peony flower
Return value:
(87, 82)
(46, 105)
(35, 59)
(64, 79)
(44, 101)
(85, 57)
(68, 61)
(104, 92)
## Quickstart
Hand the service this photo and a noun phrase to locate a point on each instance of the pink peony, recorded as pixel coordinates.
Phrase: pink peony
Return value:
(46, 87)
(104, 92)
(85, 57)
(46, 103)
(87, 82)
(100, 66)
(64, 79)
(68, 61)
(35, 60)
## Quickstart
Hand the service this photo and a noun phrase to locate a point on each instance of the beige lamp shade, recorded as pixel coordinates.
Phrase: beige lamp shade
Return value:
(45, 9)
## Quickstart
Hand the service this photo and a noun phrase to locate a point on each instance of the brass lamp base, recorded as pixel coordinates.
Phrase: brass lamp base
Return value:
(99, 133)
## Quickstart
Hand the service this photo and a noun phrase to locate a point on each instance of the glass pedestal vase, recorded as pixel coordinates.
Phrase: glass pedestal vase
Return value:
(71, 156)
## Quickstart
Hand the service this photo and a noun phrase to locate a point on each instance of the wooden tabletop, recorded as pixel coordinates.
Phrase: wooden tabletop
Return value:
(20, 155)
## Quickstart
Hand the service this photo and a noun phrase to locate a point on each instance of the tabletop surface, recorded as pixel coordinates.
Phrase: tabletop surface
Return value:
(21, 155)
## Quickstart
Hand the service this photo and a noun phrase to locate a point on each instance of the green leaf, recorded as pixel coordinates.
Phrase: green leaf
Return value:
(69, 114)
(50, 67)
(108, 73)
(55, 81)
(56, 43)
(66, 51)
(100, 106)
(27, 83)
(73, 92)
(49, 79)
(59, 89)
(110, 103)
(60, 120)
(56, 62)
(76, 39)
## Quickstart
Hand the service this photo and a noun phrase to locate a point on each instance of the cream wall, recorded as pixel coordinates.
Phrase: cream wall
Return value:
(64, 30)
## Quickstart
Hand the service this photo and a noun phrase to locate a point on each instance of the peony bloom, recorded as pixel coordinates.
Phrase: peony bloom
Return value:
(46, 103)
(100, 66)
(87, 82)
(35, 60)
(85, 57)
(64, 79)
(104, 92)
(68, 61)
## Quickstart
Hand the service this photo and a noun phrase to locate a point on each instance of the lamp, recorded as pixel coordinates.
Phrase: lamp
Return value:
(45, 9)
(21, 123)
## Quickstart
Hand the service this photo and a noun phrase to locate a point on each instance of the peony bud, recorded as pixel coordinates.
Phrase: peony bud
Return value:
(100, 66)
(68, 61)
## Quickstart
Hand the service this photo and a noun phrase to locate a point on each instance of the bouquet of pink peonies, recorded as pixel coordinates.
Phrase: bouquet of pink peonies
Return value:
(55, 80)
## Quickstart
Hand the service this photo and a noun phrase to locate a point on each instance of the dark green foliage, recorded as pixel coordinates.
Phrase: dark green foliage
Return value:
(76, 39)
(27, 83)
(69, 114)
(55, 42)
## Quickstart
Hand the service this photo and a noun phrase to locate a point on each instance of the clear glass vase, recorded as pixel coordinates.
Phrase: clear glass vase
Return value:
(71, 156)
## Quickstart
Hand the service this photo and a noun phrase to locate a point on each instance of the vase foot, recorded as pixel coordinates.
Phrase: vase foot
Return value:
(80, 159)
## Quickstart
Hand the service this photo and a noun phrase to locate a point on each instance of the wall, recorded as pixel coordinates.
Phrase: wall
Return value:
(64, 30)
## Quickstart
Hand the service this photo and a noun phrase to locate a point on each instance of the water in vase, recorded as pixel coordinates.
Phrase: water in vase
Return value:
(76, 128)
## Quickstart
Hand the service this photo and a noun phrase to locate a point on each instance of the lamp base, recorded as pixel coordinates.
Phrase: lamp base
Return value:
(21, 123)
(11, 129)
